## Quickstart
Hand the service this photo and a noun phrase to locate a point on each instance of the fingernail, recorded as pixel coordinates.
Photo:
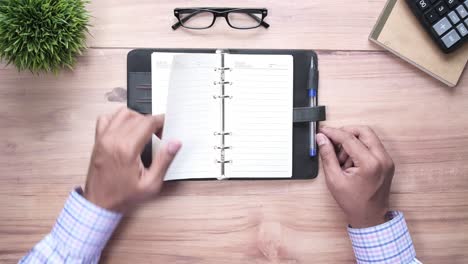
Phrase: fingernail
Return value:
(321, 139)
(173, 146)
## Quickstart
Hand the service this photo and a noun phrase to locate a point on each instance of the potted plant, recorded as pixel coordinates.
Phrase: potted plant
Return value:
(42, 35)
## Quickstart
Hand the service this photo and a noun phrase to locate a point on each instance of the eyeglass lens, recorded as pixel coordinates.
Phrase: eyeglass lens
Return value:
(197, 19)
(239, 19)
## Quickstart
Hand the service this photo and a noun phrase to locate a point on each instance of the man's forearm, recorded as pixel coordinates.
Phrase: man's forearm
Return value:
(386, 243)
(79, 235)
(85, 225)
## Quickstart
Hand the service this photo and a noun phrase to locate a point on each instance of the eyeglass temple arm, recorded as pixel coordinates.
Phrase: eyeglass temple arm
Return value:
(178, 24)
(263, 23)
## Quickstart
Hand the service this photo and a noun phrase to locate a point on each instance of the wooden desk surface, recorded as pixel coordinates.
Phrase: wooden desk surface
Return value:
(47, 128)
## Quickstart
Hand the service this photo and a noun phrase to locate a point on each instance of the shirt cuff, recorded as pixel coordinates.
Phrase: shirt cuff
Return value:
(83, 228)
(386, 243)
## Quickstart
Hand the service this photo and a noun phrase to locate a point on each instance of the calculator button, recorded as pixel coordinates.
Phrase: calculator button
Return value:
(462, 30)
(432, 16)
(451, 3)
(466, 3)
(442, 26)
(441, 9)
(454, 17)
(451, 38)
(462, 11)
(423, 4)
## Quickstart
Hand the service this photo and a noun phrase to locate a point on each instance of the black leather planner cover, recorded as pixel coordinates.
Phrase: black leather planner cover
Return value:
(139, 77)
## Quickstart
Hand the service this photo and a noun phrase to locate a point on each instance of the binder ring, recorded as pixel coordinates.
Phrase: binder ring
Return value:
(223, 83)
(223, 147)
(223, 69)
(222, 97)
(223, 161)
(222, 133)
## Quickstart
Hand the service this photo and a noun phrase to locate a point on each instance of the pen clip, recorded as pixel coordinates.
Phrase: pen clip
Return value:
(312, 92)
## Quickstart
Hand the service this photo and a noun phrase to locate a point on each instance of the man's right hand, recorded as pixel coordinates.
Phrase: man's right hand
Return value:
(358, 173)
(117, 179)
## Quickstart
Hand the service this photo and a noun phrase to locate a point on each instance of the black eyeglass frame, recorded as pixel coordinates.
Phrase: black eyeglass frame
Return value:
(220, 12)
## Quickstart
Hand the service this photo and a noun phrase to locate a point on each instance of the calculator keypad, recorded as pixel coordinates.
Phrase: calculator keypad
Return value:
(451, 3)
(446, 20)
(454, 17)
(442, 26)
(462, 30)
(441, 8)
(462, 11)
(451, 38)
(432, 16)
(423, 4)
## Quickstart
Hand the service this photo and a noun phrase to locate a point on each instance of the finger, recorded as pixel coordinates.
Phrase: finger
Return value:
(347, 164)
(160, 121)
(370, 139)
(122, 115)
(143, 130)
(160, 133)
(159, 130)
(367, 136)
(355, 148)
(102, 123)
(159, 166)
(330, 162)
(114, 114)
(342, 155)
(117, 112)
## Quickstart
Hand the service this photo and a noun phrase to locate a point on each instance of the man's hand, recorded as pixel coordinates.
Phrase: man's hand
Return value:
(358, 173)
(117, 179)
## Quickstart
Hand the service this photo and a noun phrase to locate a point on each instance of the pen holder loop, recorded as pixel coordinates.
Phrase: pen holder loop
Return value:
(309, 114)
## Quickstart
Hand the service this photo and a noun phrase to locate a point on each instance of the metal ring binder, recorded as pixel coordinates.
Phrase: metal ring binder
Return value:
(222, 97)
(222, 147)
(222, 133)
(222, 82)
(223, 161)
(223, 69)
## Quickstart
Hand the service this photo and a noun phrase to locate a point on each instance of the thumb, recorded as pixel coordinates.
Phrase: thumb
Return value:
(330, 162)
(160, 164)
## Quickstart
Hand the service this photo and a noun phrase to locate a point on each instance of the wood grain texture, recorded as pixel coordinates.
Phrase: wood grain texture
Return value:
(331, 25)
(47, 134)
(47, 129)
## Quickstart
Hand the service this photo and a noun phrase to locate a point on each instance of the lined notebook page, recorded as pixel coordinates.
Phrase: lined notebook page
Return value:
(161, 66)
(259, 115)
(192, 115)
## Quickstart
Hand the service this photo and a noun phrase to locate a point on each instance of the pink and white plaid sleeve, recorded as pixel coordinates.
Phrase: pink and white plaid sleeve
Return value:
(79, 235)
(386, 243)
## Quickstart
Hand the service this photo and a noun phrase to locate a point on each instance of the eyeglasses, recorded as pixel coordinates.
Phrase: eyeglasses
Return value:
(203, 18)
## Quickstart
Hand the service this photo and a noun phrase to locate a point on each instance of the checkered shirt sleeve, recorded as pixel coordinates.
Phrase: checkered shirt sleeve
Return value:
(79, 235)
(389, 242)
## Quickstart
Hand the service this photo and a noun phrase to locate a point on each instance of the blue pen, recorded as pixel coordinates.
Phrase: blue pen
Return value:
(312, 87)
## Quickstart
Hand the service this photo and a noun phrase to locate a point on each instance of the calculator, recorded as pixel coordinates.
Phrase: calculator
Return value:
(445, 20)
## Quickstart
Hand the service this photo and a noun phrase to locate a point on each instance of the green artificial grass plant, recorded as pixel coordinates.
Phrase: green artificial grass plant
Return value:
(42, 35)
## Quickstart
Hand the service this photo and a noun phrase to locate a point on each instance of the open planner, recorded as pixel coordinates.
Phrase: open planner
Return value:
(233, 112)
